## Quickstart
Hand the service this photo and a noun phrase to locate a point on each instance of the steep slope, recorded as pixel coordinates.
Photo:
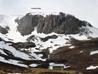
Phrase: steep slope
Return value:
(12, 53)
(42, 41)
(61, 24)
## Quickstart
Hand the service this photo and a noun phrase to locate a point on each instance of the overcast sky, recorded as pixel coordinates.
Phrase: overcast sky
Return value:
(83, 9)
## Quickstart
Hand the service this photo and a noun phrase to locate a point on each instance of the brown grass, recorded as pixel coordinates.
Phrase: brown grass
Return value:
(48, 71)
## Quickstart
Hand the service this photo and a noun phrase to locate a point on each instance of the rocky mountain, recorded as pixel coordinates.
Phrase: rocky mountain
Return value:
(37, 41)
(61, 24)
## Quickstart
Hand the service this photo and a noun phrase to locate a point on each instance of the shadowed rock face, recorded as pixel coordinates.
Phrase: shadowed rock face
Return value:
(48, 37)
(23, 45)
(62, 24)
(27, 23)
(3, 30)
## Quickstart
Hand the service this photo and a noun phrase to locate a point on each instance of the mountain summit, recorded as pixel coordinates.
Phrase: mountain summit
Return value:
(38, 41)
(61, 24)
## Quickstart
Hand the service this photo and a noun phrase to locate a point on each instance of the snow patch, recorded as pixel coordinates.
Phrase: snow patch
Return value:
(15, 52)
(81, 51)
(94, 52)
(71, 47)
(14, 62)
(94, 32)
(34, 65)
(92, 67)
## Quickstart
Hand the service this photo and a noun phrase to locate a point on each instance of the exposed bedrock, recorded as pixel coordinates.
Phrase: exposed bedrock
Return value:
(4, 30)
(61, 24)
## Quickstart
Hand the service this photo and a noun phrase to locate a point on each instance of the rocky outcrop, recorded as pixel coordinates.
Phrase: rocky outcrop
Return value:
(48, 37)
(33, 38)
(27, 23)
(61, 23)
(4, 30)
(23, 45)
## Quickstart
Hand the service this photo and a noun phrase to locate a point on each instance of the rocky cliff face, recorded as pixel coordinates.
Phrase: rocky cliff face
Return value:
(61, 24)
(4, 30)
(27, 23)
(74, 44)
